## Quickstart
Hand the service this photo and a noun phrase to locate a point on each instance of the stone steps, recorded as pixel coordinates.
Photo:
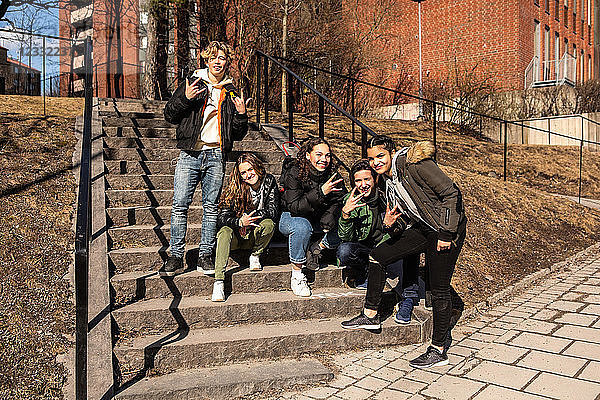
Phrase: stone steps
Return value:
(128, 131)
(124, 105)
(195, 348)
(149, 235)
(145, 198)
(125, 216)
(199, 312)
(167, 167)
(131, 285)
(229, 381)
(136, 122)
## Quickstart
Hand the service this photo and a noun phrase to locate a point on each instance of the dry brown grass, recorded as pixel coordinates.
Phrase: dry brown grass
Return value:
(37, 195)
(515, 227)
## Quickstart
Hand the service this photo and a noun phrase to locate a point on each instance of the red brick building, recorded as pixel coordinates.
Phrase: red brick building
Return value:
(502, 39)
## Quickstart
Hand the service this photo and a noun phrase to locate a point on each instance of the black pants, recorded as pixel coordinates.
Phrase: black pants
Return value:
(409, 245)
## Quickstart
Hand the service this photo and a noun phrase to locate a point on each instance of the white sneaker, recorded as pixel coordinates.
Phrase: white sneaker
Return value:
(255, 263)
(218, 293)
(300, 286)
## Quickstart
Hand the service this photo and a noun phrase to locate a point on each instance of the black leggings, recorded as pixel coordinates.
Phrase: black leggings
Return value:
(410, 244)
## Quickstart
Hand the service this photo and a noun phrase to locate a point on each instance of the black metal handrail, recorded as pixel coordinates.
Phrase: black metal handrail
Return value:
(83, 229)
(290, 103)
(503, 123)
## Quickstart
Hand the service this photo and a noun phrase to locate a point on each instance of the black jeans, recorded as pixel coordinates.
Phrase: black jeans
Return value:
(409, 245)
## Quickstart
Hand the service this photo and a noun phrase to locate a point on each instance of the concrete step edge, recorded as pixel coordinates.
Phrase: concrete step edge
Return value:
(229, 381)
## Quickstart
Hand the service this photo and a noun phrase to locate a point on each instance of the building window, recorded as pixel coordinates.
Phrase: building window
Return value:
(536, 45)
(547, 53)
(566, 16)
(556, 46)
(589, 66)
(557, 10)
(547, 6)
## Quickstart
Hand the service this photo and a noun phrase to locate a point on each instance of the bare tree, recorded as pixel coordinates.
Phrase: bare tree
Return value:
(155, 84)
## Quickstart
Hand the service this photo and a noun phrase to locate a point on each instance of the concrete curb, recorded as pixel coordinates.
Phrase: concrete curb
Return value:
(524, 283)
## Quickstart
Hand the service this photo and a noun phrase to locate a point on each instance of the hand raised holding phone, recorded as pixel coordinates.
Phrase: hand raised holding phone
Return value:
(329, 186)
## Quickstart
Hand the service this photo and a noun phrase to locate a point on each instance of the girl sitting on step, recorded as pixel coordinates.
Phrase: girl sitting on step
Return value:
(312, 203)
(248, 211)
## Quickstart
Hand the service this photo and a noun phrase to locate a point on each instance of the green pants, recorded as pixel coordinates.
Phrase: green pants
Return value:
(228, 240)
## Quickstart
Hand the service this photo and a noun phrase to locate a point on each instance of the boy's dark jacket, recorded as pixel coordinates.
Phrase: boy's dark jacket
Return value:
(306, 199)
(271, 206)
(436, 196)
(188, 115)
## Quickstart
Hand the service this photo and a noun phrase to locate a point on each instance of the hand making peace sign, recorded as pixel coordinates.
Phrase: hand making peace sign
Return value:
(248, 220)
(329, 186)
(353, 202)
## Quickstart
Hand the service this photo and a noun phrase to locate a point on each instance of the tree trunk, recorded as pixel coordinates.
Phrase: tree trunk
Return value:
(212, 23)
(149, 87)
(182, 34)
(155, 83)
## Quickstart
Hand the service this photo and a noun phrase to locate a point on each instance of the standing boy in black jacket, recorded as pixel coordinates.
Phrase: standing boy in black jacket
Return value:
(210, 116)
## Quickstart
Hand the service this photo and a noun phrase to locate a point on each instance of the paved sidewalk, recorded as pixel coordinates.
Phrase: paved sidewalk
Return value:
(543, 343)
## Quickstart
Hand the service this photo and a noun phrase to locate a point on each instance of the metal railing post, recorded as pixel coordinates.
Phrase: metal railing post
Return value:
(363, 142)
(258, 84)
(321, 118)
(266, 78)
(353, 114)
(44, 72)
(580, 163)
(505, 148)
(83, 235)
(549, 138)
(434, 131)
(290, 105)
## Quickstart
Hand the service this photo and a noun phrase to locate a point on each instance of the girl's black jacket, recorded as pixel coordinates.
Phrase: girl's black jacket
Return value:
(306, 198)
(271, 206)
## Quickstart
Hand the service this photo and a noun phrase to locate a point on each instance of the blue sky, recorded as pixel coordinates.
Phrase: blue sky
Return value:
(46, 23)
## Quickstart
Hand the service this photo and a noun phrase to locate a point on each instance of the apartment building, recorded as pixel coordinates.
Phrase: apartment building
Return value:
(516, 43)
(17, 77)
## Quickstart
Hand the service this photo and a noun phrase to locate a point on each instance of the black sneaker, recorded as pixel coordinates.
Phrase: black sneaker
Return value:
(431, 358)
(362, 321)
(313, 256)
(206, 264)
(172, 266)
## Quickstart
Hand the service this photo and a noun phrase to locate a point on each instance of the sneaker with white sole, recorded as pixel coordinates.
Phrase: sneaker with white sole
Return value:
(362, 322)
(431, 358)
(218, 293)
(300, 286)
(254, 262)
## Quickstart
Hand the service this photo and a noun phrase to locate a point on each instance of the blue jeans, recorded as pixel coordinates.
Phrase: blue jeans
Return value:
(299, 230)
(205, 167)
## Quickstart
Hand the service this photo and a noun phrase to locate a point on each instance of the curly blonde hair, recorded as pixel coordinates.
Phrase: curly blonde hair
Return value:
(213, 49)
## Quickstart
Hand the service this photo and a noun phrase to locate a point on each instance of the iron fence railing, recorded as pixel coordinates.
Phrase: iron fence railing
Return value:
(435, 109)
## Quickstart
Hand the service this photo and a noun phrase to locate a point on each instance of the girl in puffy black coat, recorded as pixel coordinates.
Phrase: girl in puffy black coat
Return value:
(248, 211)
(312, 202)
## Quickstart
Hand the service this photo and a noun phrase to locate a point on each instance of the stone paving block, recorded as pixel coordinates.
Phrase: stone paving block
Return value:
(389, 394)
(519, 314)
(323, 392)
(343, 360)
(465, 366)
(526, 308)
(501, 352)
(592, 298)
(401, 364)
(591, 372)
(507, 336)
(503, 325)
(535, 326)
(389, 374)
(493, 392)
(513, 320)
(372, 362)
(591, 351)
(389, 354)
(564, 388)
(461, 351)
(417, 397)
(589, 289)
(407, 385)
(571, 296)
(578, 333)
(482, 337)
(474, 344)
(545, 315)
(354, 393)
(356, 371)
(341, 381)
(556, 363)
(422, 375)
(576, 319)
(593, 309)
(452, 388)
(372, 383)
(597, 324)
(563, 305)
(502, 374)
(540, 342)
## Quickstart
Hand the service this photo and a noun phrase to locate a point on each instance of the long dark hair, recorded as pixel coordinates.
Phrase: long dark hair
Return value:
(384, 141)
(304, 164)
(236, 195)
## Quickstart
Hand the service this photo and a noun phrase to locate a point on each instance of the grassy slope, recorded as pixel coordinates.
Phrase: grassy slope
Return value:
(515, 227)
(37, 195)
